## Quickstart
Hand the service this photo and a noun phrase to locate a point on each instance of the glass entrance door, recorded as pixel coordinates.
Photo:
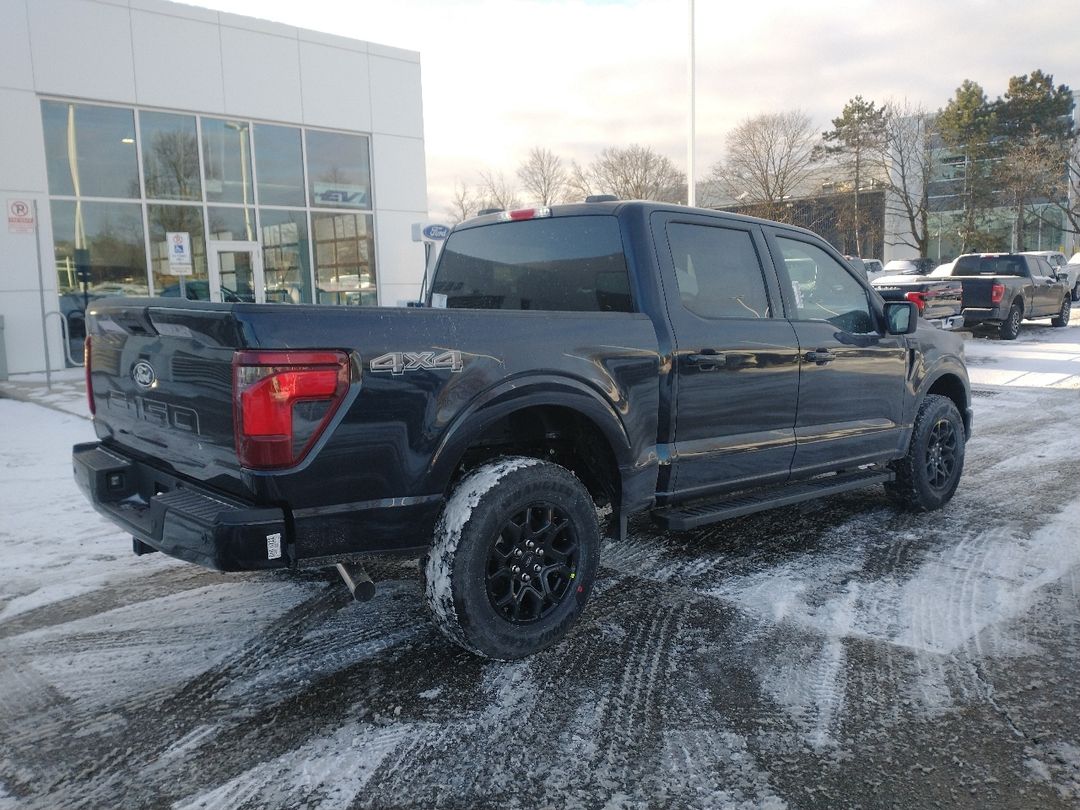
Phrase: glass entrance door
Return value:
(236, 272)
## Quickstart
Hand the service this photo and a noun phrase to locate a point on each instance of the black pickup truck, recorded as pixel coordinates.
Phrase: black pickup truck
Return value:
(646, 357)
(1004, 289)
(939, 300)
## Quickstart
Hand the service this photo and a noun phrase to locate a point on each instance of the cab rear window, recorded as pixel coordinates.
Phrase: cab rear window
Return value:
(568, 264)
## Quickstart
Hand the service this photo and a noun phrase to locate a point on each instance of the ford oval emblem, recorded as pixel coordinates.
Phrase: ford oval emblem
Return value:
(143, 374)
(436, 232)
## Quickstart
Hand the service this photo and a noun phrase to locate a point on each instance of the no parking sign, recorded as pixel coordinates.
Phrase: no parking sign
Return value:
(179, 246)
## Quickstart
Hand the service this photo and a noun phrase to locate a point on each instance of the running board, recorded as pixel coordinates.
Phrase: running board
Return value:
(681, 518)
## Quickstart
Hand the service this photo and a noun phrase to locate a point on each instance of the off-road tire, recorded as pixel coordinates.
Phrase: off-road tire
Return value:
(1063, 317)
(928, 475)
(466, 563)
(1010, 327)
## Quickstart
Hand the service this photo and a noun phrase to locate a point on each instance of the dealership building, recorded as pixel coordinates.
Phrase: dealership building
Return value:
(154, 148)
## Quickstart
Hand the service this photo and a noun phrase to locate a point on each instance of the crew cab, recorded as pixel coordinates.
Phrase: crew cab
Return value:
(690, 364)
(1004, 289)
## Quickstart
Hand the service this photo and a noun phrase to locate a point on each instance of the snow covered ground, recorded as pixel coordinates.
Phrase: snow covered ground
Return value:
(832, 655)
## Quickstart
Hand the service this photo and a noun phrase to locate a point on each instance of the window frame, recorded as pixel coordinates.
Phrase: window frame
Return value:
(773, 311)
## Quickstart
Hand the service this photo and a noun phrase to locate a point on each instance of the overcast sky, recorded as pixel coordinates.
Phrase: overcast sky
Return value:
(500, 76)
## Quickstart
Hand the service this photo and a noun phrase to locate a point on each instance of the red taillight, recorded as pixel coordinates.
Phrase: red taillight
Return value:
(918, 299)
(997, 292)
(282, 402)
(89, 380)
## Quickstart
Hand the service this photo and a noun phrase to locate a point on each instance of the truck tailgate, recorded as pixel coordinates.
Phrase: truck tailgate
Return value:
(161, 382)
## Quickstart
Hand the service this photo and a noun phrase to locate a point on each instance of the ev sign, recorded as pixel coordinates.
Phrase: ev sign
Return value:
(20, 216)
(179, 246)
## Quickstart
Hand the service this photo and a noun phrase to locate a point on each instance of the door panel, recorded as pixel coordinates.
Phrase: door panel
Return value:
(736, 358)
(852, 377)
(236, 272)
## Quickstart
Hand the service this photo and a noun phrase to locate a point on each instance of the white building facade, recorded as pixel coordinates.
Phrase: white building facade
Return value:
(178, 151)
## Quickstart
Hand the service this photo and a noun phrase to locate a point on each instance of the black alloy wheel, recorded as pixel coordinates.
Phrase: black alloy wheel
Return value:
(941, 454)
(532, 564)
(1010, 328)
(1062, 319)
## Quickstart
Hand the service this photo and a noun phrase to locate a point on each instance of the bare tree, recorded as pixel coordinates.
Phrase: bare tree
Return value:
(1066, 196)
(1031, 171)
(910, 148)
(544, 176)
(462, 203)
(631, 173)
(497, 192)
(769, 159)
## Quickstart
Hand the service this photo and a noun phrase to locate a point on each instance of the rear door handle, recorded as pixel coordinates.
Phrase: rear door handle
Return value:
(820, 356)
(706, 359)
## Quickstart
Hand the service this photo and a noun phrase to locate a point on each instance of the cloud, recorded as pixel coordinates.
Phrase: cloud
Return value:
(501, 76)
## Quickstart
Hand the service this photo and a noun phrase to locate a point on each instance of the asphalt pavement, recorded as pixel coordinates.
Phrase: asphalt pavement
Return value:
(838, 654)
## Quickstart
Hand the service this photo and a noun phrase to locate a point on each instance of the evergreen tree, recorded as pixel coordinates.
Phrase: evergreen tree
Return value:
(857, 140)
(968, 124)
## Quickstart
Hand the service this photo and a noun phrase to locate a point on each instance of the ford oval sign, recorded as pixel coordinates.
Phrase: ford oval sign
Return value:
(143, 374)
(436, 232)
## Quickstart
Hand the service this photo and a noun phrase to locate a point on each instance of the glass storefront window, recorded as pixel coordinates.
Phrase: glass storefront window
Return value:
(108, 238)
(89, 150)
(104, 240)
(232, 224)
(181, 219)
(279, 160)
(344, 258)
(339, 173)
(285, 256)
(227, 160)
(170, 152)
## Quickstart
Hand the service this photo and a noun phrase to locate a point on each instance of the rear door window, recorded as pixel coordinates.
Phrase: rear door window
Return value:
(568, 264)
(718, 271)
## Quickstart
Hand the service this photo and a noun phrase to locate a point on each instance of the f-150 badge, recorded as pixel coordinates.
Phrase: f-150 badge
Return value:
(400, 362)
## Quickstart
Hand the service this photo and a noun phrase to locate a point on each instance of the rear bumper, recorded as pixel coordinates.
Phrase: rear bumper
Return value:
(186, 520)
(179, 519)
(974, 315)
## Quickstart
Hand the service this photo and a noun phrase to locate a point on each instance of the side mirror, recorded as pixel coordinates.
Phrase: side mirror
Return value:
(901, 317)
(1062, 276)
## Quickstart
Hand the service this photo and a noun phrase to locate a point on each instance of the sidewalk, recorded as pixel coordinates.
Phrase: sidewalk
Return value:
(68, 392)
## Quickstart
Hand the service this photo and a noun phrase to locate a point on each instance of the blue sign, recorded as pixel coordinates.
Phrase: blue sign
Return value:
(436, 232)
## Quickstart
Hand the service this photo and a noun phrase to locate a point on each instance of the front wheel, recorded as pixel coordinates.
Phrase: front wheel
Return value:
(1010, 327)
(1063, 317)
(513, 558)
(928, 475)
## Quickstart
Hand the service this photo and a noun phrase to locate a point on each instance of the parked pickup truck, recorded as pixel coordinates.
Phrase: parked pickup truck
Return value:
(648, 357)
(940, 301)
(1003, 289)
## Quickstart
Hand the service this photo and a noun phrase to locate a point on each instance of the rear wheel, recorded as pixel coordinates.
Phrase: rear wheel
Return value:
(928, 475)
(1066, 310)
(513, 558)
(1010, 327)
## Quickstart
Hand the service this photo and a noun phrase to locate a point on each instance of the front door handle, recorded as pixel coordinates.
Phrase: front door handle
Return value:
(820, 356)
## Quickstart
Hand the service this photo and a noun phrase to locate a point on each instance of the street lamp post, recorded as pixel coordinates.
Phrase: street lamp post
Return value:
(691, 190)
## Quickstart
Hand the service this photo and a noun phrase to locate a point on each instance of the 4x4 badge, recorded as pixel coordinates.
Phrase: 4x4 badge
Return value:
(400, 362)
(143, 374)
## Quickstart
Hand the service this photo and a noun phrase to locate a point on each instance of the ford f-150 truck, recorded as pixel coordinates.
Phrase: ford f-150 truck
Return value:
(940, 301)
(653, 358)
(1003, 289)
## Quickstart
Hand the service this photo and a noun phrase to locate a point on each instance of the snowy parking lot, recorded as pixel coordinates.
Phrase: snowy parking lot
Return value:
(838, 654)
